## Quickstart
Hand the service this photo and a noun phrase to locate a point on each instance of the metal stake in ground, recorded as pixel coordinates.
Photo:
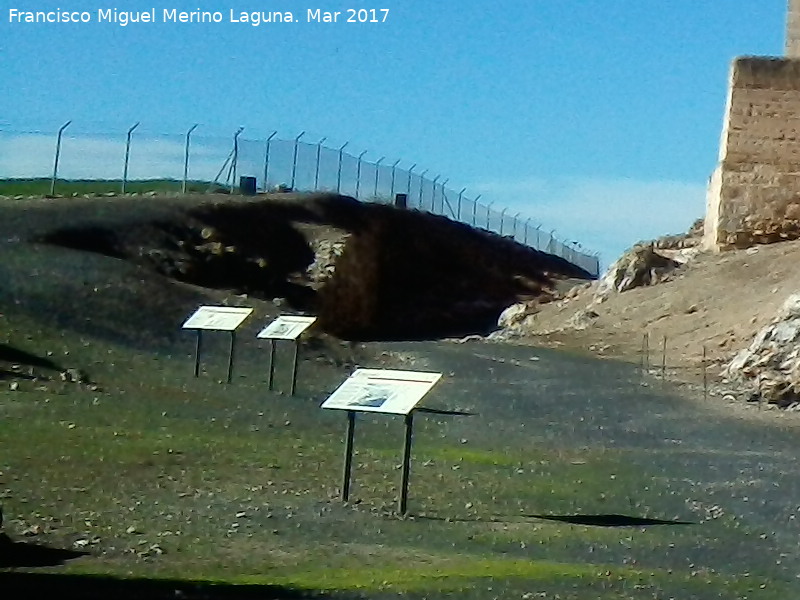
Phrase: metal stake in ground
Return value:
(403, 504)
(348, 455)
(705, 376)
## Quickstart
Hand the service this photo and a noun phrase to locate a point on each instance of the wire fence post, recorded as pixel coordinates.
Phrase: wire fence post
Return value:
(502, 218)
(444, 195)
(377, 172)
(58, 155)
(127, 157)
(475, 210)
(316, 169)
(266, 161)
(186, 158)
(421, 182)
(235, 160)
(294, 159)
(339, 172)
(408, 186)
(358, 175)
(458, 208)
(394, 173)
(433, 194)
(705, 375)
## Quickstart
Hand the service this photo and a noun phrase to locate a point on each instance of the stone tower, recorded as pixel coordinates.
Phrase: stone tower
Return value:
(793, 30)
(754, 194)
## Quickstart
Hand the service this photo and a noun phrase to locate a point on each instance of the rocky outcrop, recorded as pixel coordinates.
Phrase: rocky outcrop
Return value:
(639, 266)
(771, 364)
(326, 253)
(518, 318)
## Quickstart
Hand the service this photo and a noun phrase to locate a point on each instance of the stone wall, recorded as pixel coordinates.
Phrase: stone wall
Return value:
(793, 30)
(754, 194)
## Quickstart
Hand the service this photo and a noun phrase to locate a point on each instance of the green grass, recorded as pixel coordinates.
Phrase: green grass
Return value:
(162, 475)
(81, 187)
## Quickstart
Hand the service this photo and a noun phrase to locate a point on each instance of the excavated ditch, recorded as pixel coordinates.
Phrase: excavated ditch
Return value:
(386, 273)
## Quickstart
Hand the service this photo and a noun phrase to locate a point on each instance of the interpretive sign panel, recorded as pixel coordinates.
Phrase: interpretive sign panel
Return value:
(219, 318)
(382, 391)
(286, 327)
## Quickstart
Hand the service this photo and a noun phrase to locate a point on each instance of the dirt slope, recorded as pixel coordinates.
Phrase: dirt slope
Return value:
(398, 274)
(717, 300)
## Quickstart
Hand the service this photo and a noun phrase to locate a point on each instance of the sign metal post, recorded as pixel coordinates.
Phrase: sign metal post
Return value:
(216, 318)
(387, 392)
(348, 455)
(403, 504)
(285, 327)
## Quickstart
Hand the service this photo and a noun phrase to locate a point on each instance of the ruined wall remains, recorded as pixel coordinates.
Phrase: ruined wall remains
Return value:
(754, 194)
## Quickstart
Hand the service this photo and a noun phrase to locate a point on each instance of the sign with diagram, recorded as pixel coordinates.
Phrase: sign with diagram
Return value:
(382, 391)
(218, 318)
(286, 327)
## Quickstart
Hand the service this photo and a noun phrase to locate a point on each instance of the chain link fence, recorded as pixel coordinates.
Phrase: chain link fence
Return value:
(178, 160)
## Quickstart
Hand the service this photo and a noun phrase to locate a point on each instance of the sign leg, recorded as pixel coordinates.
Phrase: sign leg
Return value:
(271, 364)
(230, 356)
(348, 455)
(406, 463)
(294, 366)
(197, 352)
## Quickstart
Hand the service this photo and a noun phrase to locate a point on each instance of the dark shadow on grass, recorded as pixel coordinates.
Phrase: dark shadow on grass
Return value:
(24, 554)
(93, 587)
(442, 411)
(15, 355)
(609, 520)
(589, 520)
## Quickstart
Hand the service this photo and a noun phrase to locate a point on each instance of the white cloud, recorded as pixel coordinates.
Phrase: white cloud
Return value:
(605, 215)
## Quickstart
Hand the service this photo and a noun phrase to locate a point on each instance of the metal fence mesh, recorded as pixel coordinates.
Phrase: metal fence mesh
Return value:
(296, 164)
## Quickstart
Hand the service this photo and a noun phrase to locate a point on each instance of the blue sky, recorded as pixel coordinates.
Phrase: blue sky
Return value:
(599, 118)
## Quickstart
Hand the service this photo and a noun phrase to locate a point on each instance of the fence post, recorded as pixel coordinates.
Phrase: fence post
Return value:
(408, 186)
(377, 172)
(502, 218)
(294, 158)
(358, 175)
(127, 157)
(316, 169)
(433, 193)
(58, 155)
(458, 208)
(444, 195)
(475, 210)
(235, 161)
(266, 161)
(186, 158)
(421, 181)
(394, 172)
(514, 228)
(339, 173)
